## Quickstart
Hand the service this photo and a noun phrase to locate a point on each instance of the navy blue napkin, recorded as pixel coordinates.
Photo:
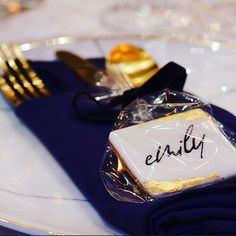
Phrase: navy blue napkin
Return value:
(79, 145)
(5, 231)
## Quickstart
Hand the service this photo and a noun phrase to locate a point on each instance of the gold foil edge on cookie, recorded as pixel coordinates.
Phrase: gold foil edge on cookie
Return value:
(161, 187)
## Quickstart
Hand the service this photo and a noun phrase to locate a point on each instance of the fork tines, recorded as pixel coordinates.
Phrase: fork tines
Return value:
(19, 82)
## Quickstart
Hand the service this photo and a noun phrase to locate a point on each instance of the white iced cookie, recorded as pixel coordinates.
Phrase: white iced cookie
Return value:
(175, 152)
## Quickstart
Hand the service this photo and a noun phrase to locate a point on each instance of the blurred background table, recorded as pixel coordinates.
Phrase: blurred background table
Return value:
(205, 19)
(53, 18)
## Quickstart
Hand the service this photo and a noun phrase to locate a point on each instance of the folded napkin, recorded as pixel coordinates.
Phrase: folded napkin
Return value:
(79, 145)
(7, 231)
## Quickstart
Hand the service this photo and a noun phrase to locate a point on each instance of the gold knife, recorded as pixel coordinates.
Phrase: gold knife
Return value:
(127, 66)
(84, 68)
(93, 75)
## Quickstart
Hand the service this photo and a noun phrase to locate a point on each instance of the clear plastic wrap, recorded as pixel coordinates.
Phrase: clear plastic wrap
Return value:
(163, 144)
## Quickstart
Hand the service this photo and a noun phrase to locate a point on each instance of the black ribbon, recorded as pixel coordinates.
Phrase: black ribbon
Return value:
(172, 76)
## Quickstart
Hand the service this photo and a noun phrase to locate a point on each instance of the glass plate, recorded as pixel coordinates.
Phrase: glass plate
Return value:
(36, 195)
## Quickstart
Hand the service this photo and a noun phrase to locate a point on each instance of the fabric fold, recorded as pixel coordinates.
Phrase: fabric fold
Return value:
(79, 145)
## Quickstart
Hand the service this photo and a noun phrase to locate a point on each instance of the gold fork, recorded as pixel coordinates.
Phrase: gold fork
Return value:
(36, 80)
(20, 82)
(8, 92)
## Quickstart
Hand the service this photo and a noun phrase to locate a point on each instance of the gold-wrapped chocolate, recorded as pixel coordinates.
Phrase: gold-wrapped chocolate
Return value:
(136, 65)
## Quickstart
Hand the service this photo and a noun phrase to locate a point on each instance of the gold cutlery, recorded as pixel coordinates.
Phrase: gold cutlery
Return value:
(9, 67)
(93, 75)
(12, 81)
(8, 92)
(35, 79)
(84, 68)
(127, 66)
(18, 82)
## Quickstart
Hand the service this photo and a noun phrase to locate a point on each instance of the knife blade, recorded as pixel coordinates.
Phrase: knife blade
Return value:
(82, 67)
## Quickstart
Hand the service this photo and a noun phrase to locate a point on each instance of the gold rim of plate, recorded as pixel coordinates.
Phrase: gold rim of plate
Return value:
(26, 46)
(73, 39)
(28, 227)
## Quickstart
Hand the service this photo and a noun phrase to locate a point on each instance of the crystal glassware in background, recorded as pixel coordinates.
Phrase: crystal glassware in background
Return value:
(9, 7)
(150, 16)
(218, 19)
(201, 19)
